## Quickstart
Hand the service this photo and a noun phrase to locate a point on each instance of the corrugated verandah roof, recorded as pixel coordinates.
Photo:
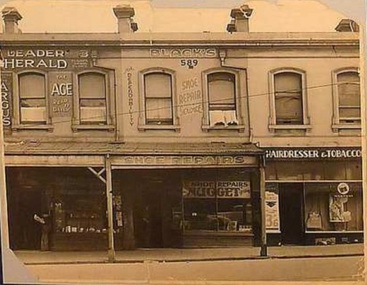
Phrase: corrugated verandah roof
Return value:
(93, 148)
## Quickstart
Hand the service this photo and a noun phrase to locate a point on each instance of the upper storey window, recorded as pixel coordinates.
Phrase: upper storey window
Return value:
(32, 99)
(157, 100)
(94, 102)
(222, 99)
(349, 101)
(288, 100)
(92, 98)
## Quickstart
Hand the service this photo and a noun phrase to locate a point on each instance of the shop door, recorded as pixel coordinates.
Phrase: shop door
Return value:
(151, 212)
(291, 213)
(29, 234)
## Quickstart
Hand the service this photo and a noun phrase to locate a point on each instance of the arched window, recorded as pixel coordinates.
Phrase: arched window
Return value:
(158, 98)
(32, 98)
(92, 98)
(222, 99)
(349, 101)
(288, 98)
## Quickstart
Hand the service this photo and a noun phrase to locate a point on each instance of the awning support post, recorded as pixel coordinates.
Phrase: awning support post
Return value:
(264, 249)
(109, 195)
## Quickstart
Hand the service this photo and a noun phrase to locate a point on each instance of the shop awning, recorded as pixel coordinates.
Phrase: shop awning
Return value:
(34, 153)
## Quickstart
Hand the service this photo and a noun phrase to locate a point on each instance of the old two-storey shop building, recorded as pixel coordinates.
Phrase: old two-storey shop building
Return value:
(160, 140)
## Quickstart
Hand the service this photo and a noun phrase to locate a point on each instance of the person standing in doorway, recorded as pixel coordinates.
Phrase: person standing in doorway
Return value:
(147, 226)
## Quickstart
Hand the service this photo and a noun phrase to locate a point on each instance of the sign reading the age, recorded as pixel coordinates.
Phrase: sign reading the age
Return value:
(61, 91)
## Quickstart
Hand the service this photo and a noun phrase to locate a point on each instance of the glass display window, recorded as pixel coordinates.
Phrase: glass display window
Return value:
(217, 205)
(333, 206)
(80, 213)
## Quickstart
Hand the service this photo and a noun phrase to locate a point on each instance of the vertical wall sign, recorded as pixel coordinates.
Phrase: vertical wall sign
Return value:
(6, 97)
(61, 93)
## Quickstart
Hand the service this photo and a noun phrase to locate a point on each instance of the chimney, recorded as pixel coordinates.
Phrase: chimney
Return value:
(347, 25)
(124, 14)
(240, 19)
(11, 17)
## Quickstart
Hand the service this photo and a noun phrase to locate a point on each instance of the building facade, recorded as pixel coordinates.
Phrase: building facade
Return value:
(129, 140)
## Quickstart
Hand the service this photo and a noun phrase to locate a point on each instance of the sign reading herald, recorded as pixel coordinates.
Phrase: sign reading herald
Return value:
(48, 58)
(312, 153)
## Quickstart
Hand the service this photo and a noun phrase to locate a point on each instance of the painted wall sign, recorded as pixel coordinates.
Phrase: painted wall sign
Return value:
(218, 189)
(61, 93)
(183, 52)
(184, 160)
(190, 63)
(190, 100)
(6, 97)
(318, 153)
(35, 58)
(130, 94)
(45, 59)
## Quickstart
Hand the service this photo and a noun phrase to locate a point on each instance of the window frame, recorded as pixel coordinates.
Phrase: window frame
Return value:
(142, 121)
(110, 101)
(239, 100)
(337, 124)
(17, 123)
(272, 118)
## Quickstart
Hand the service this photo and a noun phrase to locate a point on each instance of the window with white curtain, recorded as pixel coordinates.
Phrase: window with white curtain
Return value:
(222, 99)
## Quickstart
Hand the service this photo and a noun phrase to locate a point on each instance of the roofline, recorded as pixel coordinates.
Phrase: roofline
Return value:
(259, 39)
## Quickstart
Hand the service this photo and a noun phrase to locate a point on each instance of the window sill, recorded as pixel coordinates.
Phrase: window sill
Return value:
(93, 127)
(337, 127)
(207, 128)
(289, 127)
(159, 127)
(32, 127)
(217, 233)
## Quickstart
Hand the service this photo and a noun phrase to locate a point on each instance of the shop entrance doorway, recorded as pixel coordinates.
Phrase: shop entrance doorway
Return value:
(25, 232)
(291, 213)
(150, 216)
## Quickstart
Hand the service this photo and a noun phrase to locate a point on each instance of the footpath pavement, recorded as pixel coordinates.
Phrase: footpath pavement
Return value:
(179, 255)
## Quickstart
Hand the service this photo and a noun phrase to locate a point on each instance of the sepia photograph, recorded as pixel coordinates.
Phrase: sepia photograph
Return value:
(183, 142)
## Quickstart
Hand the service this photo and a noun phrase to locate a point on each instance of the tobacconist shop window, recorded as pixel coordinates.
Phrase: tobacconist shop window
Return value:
(32, 102)
(221, 100)
(94, 101)
(158, 100)
(288, 100)
(347, 102)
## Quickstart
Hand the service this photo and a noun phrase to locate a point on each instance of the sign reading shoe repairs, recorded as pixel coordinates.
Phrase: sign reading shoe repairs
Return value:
(312, 153)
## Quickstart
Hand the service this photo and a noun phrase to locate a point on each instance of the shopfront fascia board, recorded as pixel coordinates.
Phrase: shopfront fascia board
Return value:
(182, 161)
(55, 160)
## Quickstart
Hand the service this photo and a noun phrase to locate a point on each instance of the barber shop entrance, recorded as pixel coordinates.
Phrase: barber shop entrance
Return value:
(291, 213)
